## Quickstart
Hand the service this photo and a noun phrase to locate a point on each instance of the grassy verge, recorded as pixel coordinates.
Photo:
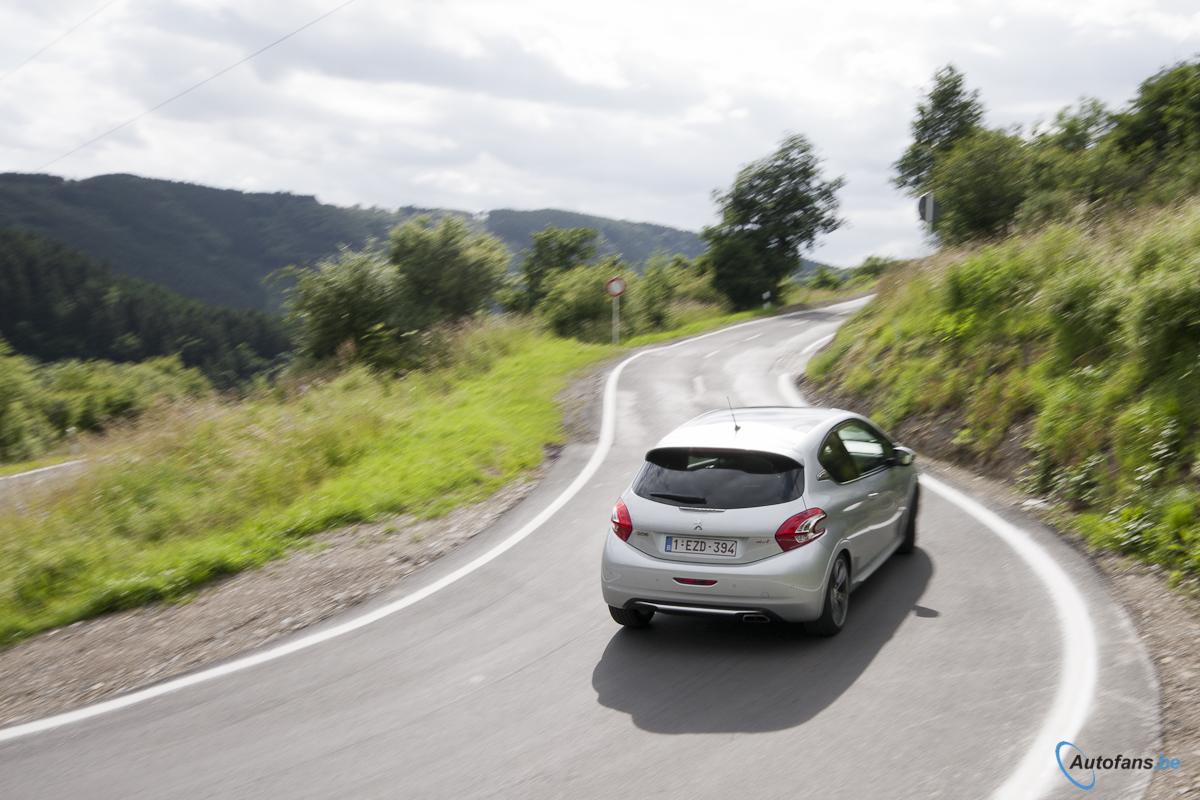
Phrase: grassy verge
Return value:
(1079, 344)
(209, 489)
(694, 326)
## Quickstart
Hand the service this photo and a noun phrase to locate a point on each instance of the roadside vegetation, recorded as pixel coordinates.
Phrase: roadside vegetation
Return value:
(44, 407)
(209, 488)
(1059, 342)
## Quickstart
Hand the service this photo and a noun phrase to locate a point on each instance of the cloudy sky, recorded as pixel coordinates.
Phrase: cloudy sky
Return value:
(635, 110)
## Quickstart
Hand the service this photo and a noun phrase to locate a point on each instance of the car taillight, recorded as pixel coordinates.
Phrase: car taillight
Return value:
(622, 525)
(801, 529)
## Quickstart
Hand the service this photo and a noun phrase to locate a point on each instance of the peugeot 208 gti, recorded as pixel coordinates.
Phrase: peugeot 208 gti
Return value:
(760, 514)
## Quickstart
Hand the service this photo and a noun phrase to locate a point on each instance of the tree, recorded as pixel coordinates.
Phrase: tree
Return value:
(980, 184)
(447, 269)
(555, 250)
(1079, 127)
(775, 210)
(948, 114)
(355, 305)
(1165, 115)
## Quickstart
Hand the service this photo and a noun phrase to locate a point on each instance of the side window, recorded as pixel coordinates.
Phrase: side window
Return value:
(836, 460)
(868, 449)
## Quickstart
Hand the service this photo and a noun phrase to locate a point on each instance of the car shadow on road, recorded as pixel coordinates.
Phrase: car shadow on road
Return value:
(692, 675)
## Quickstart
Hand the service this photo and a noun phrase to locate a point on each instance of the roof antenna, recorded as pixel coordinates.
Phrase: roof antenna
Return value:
(736, 427)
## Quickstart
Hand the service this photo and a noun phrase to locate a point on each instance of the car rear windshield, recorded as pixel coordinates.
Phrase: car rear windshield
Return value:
(685, 476)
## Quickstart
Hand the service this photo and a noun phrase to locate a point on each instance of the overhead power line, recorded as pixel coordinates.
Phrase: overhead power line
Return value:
(197, 85)
(56, 40)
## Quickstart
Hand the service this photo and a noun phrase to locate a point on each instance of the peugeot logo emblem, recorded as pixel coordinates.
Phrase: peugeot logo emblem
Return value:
(698, 527)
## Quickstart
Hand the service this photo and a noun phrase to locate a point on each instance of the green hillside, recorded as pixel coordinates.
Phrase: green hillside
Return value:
(56, 304)
(217, 245)
(1068, 359)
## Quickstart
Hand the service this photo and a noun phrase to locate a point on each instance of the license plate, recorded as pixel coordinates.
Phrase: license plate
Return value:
(702, 547)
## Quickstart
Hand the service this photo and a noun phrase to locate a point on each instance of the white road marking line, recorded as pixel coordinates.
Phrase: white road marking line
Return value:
(1079, 665)
(607, 435)
(1080, 658)
(27, 473)
(713, 353)
(818, 343)
(752, 338)
(698, 384)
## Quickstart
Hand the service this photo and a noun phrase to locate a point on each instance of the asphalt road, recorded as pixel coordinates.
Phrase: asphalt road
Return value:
(513, 682)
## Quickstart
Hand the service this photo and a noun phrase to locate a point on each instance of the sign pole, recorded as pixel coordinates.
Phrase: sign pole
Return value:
(617, 319)
(615, 287)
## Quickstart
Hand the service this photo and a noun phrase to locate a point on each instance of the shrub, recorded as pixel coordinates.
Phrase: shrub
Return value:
(576, 304)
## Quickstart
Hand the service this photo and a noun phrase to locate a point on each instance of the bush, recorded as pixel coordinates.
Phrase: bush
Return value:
(24, 433)
(824, 278)
(576, 304)
(447, 270)
(979, 185)
(41, 404)
(356, 306)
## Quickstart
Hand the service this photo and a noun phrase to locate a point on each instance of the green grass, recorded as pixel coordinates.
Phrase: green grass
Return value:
(210, 489)
(1086, 338)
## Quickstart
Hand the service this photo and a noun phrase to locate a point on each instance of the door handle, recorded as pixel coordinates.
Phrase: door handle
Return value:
(872, 494)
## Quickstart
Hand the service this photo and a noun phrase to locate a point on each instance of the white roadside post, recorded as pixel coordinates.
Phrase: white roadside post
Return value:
(615, 287)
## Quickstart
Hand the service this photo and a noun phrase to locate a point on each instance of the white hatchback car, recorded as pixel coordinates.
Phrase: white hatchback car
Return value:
(765, 513)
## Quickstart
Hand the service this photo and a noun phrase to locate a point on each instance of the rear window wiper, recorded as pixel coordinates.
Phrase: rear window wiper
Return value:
(680, 498)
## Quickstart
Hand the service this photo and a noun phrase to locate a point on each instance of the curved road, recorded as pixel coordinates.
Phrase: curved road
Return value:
(512, 681)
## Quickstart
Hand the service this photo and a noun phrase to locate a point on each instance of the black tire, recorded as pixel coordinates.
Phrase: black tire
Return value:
(837, 601)
(909, 543)
(631, 617)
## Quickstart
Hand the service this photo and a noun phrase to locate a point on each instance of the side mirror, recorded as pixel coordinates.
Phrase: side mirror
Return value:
(903, 456)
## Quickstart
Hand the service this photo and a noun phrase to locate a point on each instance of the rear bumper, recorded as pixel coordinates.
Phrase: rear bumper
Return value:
(788, 587)
(746, 614)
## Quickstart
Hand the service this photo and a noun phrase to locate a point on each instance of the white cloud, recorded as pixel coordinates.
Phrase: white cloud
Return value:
(629, 109)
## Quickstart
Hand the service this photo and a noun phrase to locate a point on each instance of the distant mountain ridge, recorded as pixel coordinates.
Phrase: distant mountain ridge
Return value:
(217, 245)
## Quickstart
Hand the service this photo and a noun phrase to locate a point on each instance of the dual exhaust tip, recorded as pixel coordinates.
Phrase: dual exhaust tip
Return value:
(755, 618)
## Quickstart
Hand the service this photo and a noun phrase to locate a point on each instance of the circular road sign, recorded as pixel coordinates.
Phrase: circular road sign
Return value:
(615, 287)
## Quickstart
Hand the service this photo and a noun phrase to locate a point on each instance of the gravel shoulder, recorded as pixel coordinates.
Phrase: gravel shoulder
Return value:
(334, 571)
(1168, 621)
